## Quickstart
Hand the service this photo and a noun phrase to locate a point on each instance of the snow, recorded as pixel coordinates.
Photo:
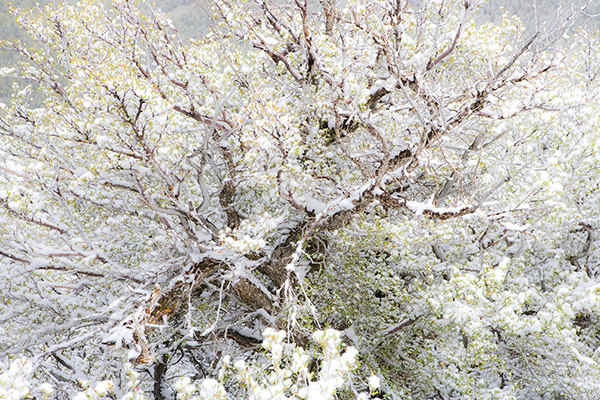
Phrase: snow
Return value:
(313, 205)
(345, 204)
(119, 335)
(418, 208)
(270, 114)
(374, 382)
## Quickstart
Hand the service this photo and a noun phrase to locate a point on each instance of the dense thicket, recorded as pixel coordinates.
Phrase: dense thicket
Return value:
(425, 185)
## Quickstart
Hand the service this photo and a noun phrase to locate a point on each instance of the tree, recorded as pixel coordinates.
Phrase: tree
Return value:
(426, 186)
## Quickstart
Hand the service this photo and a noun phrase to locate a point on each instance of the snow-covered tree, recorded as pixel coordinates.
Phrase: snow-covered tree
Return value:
(427, 186)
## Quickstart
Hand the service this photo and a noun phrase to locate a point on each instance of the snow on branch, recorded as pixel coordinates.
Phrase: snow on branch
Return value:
(427, 209)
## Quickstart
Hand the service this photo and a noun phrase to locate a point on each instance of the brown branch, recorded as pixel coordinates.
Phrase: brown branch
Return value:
(241, 339)
(33, 220)
(252, 295)
(226, 200)
(3, 254)
(88, 273)
(516, 56)
(160, 370)
(279, 57)
(401, 326)
(432, 63)
(591, 237)
(222, 125)
(375, 97)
